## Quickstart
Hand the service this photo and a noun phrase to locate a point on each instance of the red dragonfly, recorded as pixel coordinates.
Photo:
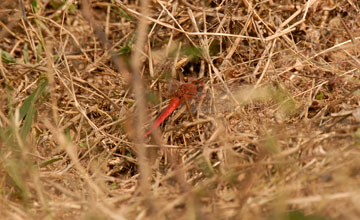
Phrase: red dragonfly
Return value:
(185, 92)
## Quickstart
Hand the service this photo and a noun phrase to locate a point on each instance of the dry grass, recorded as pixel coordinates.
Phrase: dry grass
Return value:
(276, 132)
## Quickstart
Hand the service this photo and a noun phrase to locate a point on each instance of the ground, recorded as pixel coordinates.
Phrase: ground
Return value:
(274, 132)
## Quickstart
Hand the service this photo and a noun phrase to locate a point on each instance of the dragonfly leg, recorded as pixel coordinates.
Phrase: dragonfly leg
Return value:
(188, 108)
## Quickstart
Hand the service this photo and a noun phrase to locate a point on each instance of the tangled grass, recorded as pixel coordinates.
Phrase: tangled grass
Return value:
(275, 133)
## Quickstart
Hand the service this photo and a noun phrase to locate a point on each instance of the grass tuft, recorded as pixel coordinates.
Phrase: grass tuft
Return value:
(273, 135)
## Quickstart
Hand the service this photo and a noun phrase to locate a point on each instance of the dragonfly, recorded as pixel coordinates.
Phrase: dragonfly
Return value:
(184, 93)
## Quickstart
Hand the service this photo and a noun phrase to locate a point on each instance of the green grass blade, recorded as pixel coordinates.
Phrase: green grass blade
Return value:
(123, 14)
(28, 107)
(35, 6)
(32, 97)
(38, 52)
(48, 162)
(6, 57)
(28, 122)
(26, 53)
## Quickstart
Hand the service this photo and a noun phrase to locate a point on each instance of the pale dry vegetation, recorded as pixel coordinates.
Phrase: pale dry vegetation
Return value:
(275, 133)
